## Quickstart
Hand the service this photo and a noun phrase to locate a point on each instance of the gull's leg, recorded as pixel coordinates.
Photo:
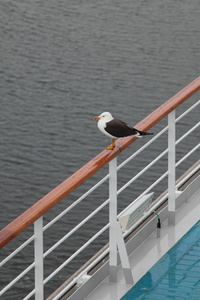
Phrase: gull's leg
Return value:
(112, 146)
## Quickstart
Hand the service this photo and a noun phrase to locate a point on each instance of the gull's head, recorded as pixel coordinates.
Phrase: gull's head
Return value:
(105, 116)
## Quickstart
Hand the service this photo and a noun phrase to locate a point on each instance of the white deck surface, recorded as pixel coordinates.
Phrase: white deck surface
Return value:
(153, 248)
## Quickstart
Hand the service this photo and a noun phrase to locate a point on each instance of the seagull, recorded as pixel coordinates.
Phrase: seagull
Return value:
(115, 128)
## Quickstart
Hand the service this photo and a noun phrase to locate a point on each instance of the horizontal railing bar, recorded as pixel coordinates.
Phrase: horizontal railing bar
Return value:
(187, 133)
(145, 192)
(17, 251)
(17, 278)
(155, 160)
(155, 137)
(142, 148)
(76, 202)
(187, 155)
(76, 228)
(66, 187)
(181, 182)
(188, 110)
(141, 172)
(151, 141)
(76, 253)
(29, 295)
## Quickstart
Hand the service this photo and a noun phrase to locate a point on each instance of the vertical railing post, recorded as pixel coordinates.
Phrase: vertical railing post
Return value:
(171, 167)
(38, 247)
(113, 219)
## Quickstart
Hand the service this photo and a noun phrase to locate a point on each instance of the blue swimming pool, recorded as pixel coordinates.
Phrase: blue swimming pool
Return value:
(176, 275)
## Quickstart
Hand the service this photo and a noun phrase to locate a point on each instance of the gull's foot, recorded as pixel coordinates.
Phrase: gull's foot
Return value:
(111, 147)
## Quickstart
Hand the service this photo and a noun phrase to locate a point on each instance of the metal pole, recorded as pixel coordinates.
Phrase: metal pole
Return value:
(113, 218)
(124, 256)
(38, 232)
(171, 167)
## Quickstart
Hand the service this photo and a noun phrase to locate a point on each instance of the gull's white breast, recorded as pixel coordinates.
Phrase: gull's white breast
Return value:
(102, 125)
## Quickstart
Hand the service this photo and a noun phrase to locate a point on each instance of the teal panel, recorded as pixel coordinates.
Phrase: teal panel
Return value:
(176, 275)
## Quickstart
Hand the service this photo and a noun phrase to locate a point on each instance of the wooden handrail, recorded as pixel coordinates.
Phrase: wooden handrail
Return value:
(66, 187)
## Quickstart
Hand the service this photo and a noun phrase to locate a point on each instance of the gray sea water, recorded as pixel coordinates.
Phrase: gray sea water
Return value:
(64, 62)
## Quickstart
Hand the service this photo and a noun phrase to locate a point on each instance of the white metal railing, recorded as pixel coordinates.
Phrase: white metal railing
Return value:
(39, 256)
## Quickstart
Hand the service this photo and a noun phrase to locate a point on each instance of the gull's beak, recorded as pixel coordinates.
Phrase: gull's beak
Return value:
(96, 117)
